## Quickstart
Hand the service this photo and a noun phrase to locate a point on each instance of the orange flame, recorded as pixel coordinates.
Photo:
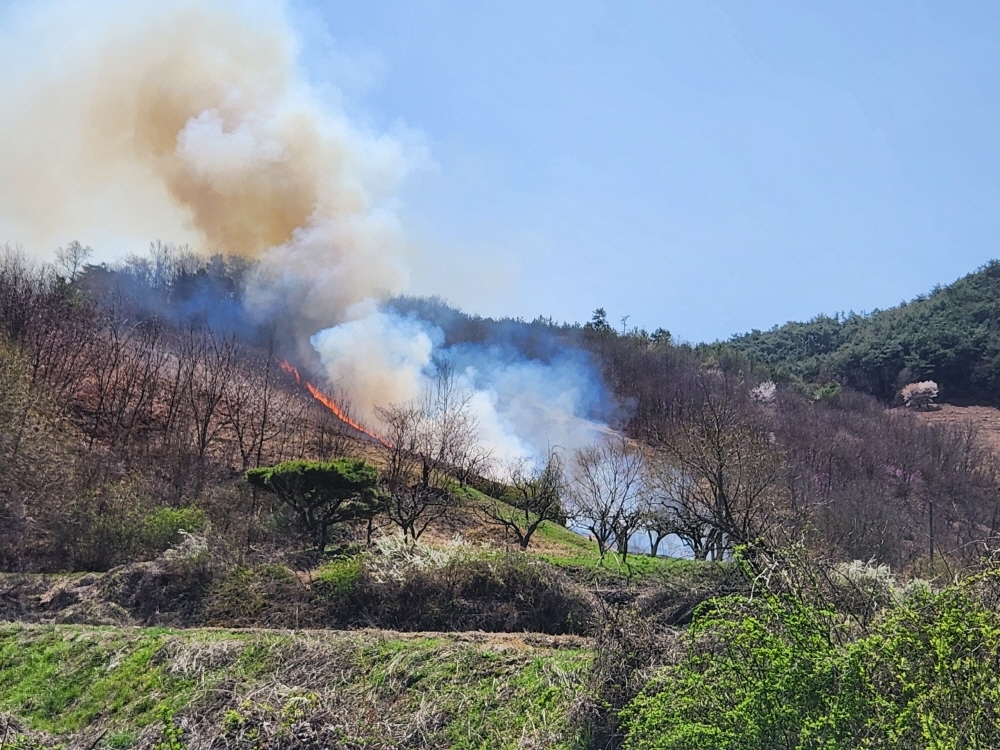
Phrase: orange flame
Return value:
(330, 404)
(290, 369)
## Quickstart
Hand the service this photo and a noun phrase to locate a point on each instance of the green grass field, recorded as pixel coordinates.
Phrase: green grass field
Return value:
(576, 554)
(360, 689)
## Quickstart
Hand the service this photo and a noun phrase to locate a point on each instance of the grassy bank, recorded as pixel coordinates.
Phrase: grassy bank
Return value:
(137, 687)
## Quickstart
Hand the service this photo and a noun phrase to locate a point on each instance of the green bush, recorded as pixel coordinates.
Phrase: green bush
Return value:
(339, 578)
(114, 525)
(773, 673)
(165, 527)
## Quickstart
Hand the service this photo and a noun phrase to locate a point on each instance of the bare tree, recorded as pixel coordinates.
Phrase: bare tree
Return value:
(214, 356)
(427, 443)
(160, 268)
(71, 259)
(449, 437)
(607, 492)
(289, 409)
(474, 462)
(674, 508)
(55, 329)
(330, 437)
(126, 361)
(247, 404)
(728, 453)
(415, 499)
(534, 496)
(36, 460)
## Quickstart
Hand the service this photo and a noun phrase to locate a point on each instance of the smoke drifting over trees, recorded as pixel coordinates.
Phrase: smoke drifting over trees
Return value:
(192, 120)
(195, 116)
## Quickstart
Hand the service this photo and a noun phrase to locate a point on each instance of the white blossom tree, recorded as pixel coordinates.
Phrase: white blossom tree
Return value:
(920, 395)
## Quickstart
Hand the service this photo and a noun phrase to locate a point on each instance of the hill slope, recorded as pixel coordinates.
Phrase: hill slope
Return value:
(951, 335)
(144, 688)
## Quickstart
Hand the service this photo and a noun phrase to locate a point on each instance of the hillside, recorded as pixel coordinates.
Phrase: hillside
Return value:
(160, 592)
(981, 421)
(216, 688)
(134, 404)
(951, 336)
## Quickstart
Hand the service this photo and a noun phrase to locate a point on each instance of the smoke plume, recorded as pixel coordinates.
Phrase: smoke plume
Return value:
(522, 406)
(191, 120)
(193, 115)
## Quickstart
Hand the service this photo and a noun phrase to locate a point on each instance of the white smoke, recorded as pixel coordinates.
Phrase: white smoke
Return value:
(191, 120)
(523, 407)
(378, 358)
(191, 117)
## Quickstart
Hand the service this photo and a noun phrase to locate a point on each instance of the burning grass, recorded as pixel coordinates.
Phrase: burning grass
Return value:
(334, 408)
(370, 689)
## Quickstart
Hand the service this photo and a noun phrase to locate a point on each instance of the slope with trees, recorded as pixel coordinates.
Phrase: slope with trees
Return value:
(152, 443)
(950, 336)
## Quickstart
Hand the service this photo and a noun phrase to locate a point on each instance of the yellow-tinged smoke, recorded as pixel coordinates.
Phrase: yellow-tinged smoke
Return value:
(190, 120)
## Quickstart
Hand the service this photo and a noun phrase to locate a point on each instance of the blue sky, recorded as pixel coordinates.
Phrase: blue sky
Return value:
(706, 167)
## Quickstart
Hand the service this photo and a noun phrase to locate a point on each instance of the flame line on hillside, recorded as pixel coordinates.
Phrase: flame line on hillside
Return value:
(329, 403)
(289, 368)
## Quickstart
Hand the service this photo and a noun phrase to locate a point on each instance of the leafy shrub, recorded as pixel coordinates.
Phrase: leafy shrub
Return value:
(774, 673)
(340, 577)
(167, 526)
(112, 526)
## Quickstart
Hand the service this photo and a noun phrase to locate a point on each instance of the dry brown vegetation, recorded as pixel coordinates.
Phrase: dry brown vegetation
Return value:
(145, 404)
(134, 399)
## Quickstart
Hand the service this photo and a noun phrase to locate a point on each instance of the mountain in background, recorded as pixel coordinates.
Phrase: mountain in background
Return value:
(951, 336)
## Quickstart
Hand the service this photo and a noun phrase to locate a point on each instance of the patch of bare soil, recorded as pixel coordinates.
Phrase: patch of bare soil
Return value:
(986, 420)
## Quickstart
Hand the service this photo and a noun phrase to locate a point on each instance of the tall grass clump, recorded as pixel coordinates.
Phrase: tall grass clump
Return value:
(413, 587)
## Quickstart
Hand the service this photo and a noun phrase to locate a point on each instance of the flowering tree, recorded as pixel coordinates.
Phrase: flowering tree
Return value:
(920, 395)
(764, 393)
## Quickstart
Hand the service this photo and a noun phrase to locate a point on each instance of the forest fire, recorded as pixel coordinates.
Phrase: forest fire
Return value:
(329, 403)
(287, 367)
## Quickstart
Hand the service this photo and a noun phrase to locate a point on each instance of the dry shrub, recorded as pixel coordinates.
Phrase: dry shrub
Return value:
(672, 600)
(262, 596)
(171, 589)
(628, 646)
(461, 590)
